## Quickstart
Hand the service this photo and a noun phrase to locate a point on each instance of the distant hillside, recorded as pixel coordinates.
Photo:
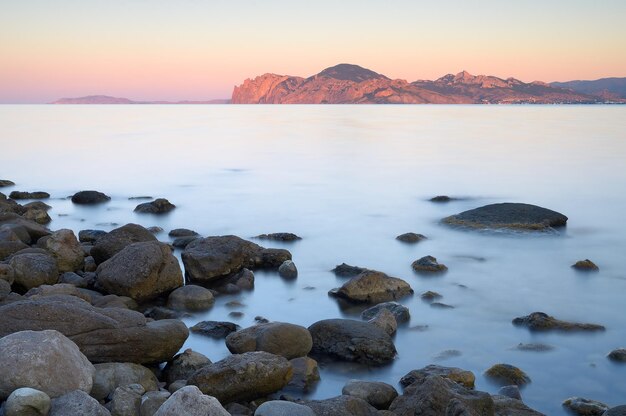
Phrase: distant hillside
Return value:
(105, 99)
(609, 88)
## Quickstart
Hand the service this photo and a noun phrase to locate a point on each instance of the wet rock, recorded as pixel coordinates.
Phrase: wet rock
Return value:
(214, 329)
(378, 394)
(211, 258)
(283, 408)
(37, 215)
(126, 400)
(77, 403)
(373, 287)
(34, 269)
(385, 321)
(29, 195)
(508, 215)
(458, 375)
(618, 355)
(191, 298)
(64, 247)
(183, 365)
(190, 401)
(400, 312)
(288, 270)
(534, 347)
(349, 340)
(43, 360)
(511, 391)
(440, 305)
(284, 339)
(40, 205)
(341, 405)
(506, 374)
(90, 236)
(441, 198)
(89, 197)
(430, 296)
(279, 237)
(616, 411)
(158, 206)
(113, 242)
(539, 321)
(585, 266)
(151, 401)
(428, 264)
(585, 407)
(27, 402)
(141, 271)
(6, 182)
(182, 232)
(110, 376)
(345, 270)
(21, 226)
(102, 334)
(507, 406)
(155, 229)
(411, 238)
(182, 242)
(243, 377)
(305, 374)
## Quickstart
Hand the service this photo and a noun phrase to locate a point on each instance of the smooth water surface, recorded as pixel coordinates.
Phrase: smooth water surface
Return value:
(348, 179)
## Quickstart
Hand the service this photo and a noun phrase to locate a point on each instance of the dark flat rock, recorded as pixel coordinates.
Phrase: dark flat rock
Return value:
(539, 321)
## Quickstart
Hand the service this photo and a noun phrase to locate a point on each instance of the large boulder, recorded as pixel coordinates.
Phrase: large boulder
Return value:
(287, 340)
(508, 215)
(342, 405)
(189, 401)
(540, 321)
(349, 340)
(110, 376)
(373, 287)
(113, 242)
(103, 335)
(43, 360)
(27, 402)
(65, 248)
(190, 298)
(77, 403)
(211, 258)
(184, 365)
(32, 269)
(458, 375)
(89, 197)
(378, 394)
(141, 271)
(243, 377)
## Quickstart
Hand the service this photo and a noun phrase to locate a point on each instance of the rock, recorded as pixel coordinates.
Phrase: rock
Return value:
(585, 407)
(373, 287)
(6, 273)
(189, 401)
(113, 242)
(534, 347)
(283, 408)
(436, 396)
(539, 321)
(385, 321)
(378, 394)
(618, 355)
(585, 266)
(305, 374)
(506, 374)
(288, 270)
(34, 269)
(428, 264)
(441, 198)
(43, 360)
(39, 205)
(445, 354)
(158, 206)
(6, 182)
(458, 375)
(411, 238)
(211, 258)
(77, 403)
(114, 301)
(141, 271)
(441, 305)
(182, 242)
(177, 385)
(21, 226)
(8, 248)
(508, 215)
(126, 400)
(27, 402)
(214, 329)
(511, 391)
(243, 377)
(64, 247)
(151, 401)
(400, 312)
(155, 229)
(345, 270)
(110, 376)
(73, 279)
(237, 409)
(29, 195)
(90, 236)
(5, 288)
(191, 298)
(182, 232)
(279, 237)
(54, 290)
(430, 296)
(616, 411)
(37, 215)
(349, 340)
(89, 197)
(284, 339)
(103, 335)
(341, 405)
(506, 406)
(183, 365)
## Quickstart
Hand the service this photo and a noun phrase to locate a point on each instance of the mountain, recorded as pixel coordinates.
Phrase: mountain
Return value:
(105, 99)
(352, 84)
(609, 88)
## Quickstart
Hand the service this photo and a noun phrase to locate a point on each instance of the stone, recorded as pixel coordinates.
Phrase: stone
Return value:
(511, 391)
(618, 355)
(341, 405)
(508, 215)
(458, 375)
(279, 237)
(288, 270)
(284, 339)
(182, 242)
(373, 287)
(345, 270)
(539, 321)
(506, 374)
(182, 232)
(177, 385)
(27, 402)
(585, 266)
(22, 226)
(534, 347)
(40, 205)
(34, 269)
(90, 236)
(183, 365)
(37, 215)
(29, 195)
(126, 400)
(440, 305)
(430, 296)
(616, 411)
(189, 401)
(400, 312)
(110, 376)
(113, 242)
(585, 407)
(73, 279)
(283, 408)
(349, 340)
(441, 198)
(6, 182)
(158, 206)
(89, 197)
(54, 290)
(65, 248)
(6, 273)
(5, 288)
(386, 321)
(214, 329)
(8, 248)
(77, 403)
(151, 401)
(141, 271)
(428, 264)
(507, 406)
(411, 238)
(190, 298)
(43, 360)
(378, 394)
(243, 377)
(306, 374)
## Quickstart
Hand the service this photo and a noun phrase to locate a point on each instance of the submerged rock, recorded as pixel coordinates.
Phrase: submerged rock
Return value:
(506, 374)
(158, 206)
(29, 195)
(618, 355)
(182, 232)
(616, 411)
(585, 266)
(430, 296)
(534, 347)
(539, 321)
(372, 286)
(214, 329)
(441, 198)
(585, 407)
(279, 237)
(508, 215)
(428, 264)
(6, 182)
(345, 270)
(411, 238)
(89, 197)
(287, 340)
(458, 375)
(90, 236)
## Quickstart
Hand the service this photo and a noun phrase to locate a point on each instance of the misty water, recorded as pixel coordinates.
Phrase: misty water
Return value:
(349, 179)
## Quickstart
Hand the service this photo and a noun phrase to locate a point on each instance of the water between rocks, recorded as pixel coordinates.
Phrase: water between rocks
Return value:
(348, 179)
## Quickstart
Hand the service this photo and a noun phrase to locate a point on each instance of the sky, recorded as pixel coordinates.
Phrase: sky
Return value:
(201, 49)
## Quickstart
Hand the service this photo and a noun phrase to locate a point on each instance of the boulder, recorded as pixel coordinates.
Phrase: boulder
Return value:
(430, 296)
(37, 215)
(141, 271)
(585, 407)
(508, 215)
(103, 335)
(539, 321)
(373, 287)
(279, 237)
(428, 264)
(34, 269)
(58, 289)
(6, 182)
(243, 377)
(288, 270)
(507, 374)
(113, 242)
(618, 355)
(287, 340)
(110, 376)
(182, 232)
(189, 401)
(385, 321)
(6, 273)
(8, 248)
(77, 403)
(458, 375)
(126, 400)
(5, 288)
(350, 340)
(89, 197)
(90, 236)
(65, 248)
(400, 312)
(27, 402)
(158, 206)
(441, 198)
(345, 270)
(511, 391)
(378, 394)
(40, 205)
(43, 360)
(211, 258)
(585, 266)
(190, 298)
(29, 195)
(507, 406)
(182, 242)
(341, 405)
(283, 408)
(306, 374)
(184, 365)
(411, 238)
(214, 329)
(151, 401)
(616, 411)
(23, 226)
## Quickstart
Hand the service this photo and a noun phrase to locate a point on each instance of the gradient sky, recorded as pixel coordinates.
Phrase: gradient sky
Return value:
(200, 49)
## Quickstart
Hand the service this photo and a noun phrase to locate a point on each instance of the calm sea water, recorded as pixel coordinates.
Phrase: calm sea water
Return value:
(348, 179)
